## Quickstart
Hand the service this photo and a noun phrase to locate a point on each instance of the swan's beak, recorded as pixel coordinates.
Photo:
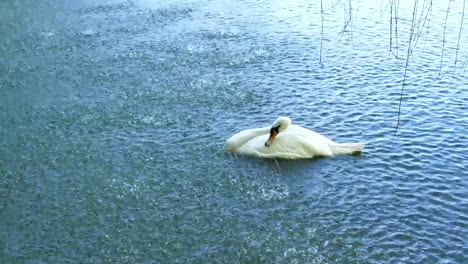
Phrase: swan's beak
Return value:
(273, 134)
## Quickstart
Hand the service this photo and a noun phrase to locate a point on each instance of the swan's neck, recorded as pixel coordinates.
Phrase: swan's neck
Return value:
(240, 139)
(256, 132)
(284, 127)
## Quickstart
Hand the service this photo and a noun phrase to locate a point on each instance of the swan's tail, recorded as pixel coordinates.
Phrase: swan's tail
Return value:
(347, 148)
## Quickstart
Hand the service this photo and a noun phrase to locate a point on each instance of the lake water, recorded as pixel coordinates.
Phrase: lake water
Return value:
(113, 116)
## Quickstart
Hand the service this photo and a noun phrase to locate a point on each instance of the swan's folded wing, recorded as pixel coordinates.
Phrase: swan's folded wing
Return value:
(305, 146)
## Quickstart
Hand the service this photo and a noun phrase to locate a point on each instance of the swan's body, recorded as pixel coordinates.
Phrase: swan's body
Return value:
(285, 141)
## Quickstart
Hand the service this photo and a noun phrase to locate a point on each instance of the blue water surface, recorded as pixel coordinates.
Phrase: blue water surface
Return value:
(113, 116)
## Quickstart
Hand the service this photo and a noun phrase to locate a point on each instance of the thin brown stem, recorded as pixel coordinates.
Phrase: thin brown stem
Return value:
(459, 35)
(406, 65)
(396, 25)
(391, 22)
(426, 19)
(443, 40)
(321, 38)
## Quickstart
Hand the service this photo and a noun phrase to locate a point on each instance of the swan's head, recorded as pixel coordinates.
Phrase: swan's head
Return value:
(281, 124)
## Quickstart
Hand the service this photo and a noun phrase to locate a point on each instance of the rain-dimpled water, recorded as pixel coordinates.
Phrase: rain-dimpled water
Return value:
(114, 114)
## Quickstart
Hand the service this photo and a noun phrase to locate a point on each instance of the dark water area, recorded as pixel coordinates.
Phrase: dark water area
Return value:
(113, 116)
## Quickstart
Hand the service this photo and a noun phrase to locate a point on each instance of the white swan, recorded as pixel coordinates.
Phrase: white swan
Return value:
(286, 141)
